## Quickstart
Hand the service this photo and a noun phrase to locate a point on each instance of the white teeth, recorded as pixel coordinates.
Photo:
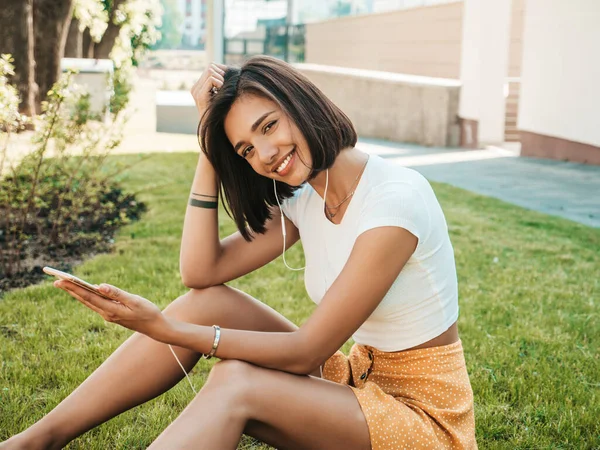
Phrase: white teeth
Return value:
(284, 163)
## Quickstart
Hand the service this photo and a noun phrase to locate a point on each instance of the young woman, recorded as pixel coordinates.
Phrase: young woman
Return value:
(379, 263)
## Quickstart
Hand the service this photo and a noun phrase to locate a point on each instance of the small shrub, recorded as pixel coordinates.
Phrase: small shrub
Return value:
(121, 90)
(55, 205)
(76, 211)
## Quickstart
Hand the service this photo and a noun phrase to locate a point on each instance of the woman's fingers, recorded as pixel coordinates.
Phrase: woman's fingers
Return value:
(216, 74)
(202, 94)
(218, 68)
(79, 299)
(213, 82)
(118, 306)
(212, 77)
(105, 305)
(89, 305)
(114, 293)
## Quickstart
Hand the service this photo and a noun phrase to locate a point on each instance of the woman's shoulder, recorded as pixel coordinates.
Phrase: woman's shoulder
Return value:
(396, 196)
(400, 196)
(385, 174)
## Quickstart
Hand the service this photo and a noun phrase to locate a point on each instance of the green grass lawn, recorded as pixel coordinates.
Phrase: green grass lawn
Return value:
(529, 297)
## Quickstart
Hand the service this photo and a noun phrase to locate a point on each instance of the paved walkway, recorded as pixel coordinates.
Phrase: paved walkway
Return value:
(558, 188)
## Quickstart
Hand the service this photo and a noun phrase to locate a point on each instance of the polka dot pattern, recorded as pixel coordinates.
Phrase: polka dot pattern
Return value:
(415, 399)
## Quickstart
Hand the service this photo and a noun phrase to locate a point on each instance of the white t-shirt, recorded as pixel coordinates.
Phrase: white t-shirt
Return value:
(423, 300)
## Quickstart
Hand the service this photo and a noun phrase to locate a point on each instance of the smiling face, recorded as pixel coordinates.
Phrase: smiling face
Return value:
(262, 134)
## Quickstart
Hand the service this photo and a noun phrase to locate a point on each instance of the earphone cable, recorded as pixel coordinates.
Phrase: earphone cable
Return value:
(182, 368)
(283, 229)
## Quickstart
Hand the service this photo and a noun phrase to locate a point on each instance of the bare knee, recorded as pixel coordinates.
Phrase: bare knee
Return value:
(233, 381)
(231, 372)
(195, 305)
(232, 375)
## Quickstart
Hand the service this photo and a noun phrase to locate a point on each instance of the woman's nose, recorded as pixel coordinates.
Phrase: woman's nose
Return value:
(268, 153)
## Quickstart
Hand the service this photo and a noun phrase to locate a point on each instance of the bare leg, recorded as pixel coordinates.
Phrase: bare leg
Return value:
(284, 410)
(123, 381)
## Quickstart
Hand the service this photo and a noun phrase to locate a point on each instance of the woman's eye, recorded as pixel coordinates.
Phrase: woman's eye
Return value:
(246, 151)
(269, 125)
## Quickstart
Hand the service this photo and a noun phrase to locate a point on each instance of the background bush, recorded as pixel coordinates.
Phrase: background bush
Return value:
(63, 199)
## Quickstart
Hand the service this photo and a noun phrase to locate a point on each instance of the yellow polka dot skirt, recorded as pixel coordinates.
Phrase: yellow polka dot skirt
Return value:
(415, 399)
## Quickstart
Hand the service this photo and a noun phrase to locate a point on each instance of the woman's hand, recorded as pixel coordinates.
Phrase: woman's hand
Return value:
(202, 91)
(128, 310)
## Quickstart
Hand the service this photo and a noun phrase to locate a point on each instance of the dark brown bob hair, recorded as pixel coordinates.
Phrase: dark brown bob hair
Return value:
(326, 129)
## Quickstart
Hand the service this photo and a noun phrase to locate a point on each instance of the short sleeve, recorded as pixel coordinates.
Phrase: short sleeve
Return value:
(395, 204)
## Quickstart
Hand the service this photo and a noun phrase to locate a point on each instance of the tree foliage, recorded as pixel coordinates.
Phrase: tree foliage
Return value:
(121, 30)
(91, 15)
(132, 29)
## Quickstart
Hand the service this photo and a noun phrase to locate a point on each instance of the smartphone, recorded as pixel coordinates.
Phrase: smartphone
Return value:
(73, 279)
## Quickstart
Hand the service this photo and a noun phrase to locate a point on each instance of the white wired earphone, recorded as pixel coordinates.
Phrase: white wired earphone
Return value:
(283, 220)
(284, 262)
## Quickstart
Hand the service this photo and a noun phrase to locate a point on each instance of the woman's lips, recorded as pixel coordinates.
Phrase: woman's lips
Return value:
(285, 171)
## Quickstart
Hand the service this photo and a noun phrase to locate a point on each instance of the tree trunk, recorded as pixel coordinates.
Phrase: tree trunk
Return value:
(51, 20)
(87, 44)
(103, 48)
(16, 38)
(74, 45)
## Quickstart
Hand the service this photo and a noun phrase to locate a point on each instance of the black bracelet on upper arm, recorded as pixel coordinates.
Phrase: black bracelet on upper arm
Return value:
(203, 204)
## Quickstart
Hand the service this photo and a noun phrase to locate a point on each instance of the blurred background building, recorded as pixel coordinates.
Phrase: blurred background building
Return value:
(522, 71)
(193, 26)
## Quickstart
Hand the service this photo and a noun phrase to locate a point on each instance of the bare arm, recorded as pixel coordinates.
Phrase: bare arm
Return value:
(200, 246)
(205, 260)
(376, 260)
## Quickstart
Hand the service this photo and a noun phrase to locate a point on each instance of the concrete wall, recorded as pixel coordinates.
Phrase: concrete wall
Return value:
(390, 106)
(176, 112)
(560, 80)
(421, 41)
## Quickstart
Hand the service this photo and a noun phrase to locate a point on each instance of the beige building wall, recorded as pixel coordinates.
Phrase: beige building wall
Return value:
(420, 41)
(559, 113)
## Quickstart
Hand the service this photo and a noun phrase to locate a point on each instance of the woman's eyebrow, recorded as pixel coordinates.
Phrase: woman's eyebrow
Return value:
(253, 128)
